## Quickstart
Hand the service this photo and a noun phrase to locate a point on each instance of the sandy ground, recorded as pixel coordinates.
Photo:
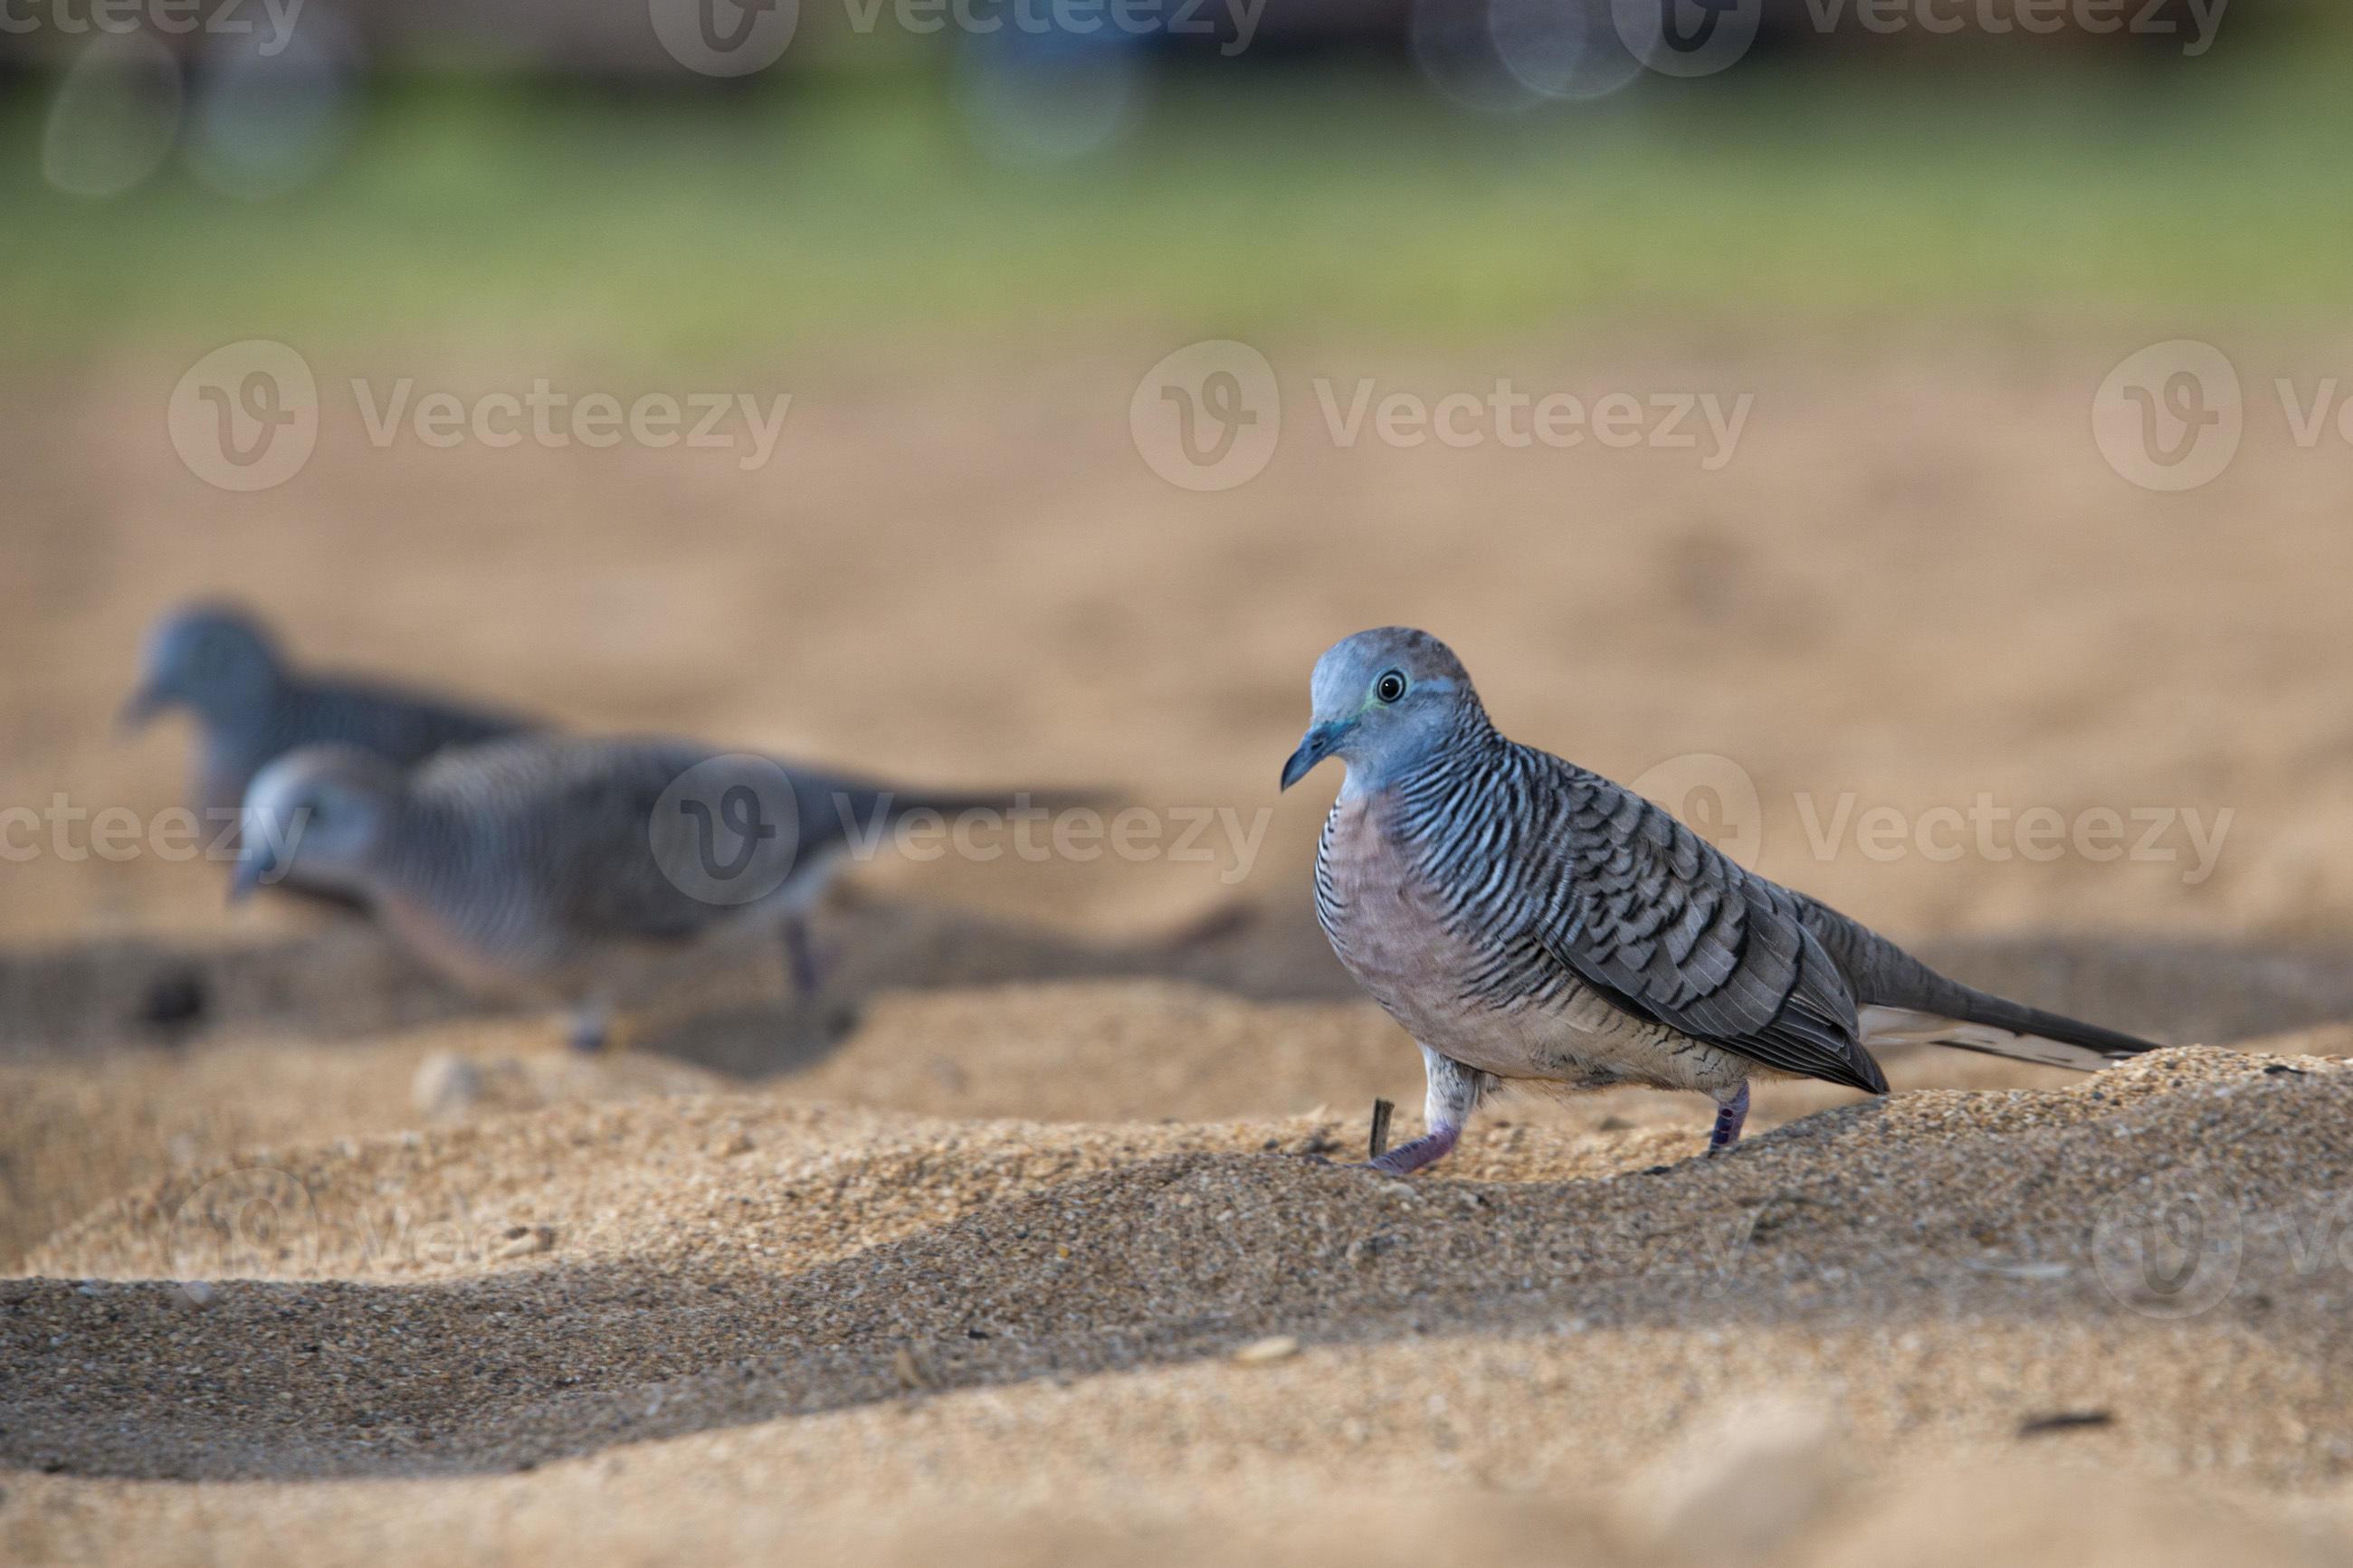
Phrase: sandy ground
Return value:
(773, 1322)
(1024, 1241)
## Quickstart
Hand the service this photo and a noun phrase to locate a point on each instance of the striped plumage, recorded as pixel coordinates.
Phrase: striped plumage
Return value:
(552, 866)
(1525, 919)
(539, 855)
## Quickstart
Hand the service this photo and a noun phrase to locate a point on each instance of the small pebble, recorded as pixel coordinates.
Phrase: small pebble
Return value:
(910, 1374)
(445, 1084)
(523, 1241)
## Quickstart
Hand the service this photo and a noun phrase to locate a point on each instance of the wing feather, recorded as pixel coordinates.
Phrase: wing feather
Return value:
(1673, 931)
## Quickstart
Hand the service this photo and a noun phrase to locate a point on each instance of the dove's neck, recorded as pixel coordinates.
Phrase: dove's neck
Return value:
(1461, 741)
(241, 716)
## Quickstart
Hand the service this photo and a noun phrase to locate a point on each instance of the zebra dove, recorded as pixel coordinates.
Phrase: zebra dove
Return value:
(251, 705)
(1526, 920)
(550, 865)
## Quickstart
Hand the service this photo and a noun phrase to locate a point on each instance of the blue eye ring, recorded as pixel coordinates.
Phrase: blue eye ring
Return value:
(1390, 687)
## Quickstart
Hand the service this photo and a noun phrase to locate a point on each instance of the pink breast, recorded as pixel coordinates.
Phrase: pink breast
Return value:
(1383, 929)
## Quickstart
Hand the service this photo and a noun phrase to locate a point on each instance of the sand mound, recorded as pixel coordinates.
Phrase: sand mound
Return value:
(78, 1127)
(1952, 1267)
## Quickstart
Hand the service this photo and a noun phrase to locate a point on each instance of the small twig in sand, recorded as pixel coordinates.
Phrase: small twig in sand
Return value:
(2065, 1421)
(1382, 1110)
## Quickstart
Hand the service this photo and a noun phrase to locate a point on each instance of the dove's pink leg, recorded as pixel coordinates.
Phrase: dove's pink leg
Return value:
(1728, 1117)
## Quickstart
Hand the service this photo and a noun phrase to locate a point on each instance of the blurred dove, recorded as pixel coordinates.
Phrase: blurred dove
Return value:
(1526, 920)
(547, 864)
(251, 706)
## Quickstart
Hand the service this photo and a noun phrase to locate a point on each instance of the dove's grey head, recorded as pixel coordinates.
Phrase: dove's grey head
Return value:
(320, 815)
(209, 657)
(1383, 700)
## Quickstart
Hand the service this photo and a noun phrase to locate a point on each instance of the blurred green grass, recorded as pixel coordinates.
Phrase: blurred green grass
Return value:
(665, 227)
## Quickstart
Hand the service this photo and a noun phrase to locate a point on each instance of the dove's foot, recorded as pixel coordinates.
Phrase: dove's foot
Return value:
(1407, 1158)
(1729, 1115)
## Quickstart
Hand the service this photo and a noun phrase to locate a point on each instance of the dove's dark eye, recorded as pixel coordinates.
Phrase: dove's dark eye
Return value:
(1390, 686)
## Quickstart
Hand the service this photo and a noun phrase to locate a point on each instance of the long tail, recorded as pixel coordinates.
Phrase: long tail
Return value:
(2001, 1028)
(1902, 1001)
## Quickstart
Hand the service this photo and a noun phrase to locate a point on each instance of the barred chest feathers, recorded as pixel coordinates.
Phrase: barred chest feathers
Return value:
(1460, 994)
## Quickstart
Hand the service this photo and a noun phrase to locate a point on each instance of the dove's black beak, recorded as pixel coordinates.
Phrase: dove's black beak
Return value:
(1318, 744)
